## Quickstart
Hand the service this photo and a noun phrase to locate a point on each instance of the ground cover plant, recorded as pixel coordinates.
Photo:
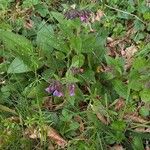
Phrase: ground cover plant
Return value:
(75, 74)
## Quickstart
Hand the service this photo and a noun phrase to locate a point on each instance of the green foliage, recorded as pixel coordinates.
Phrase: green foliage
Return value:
(78, 77)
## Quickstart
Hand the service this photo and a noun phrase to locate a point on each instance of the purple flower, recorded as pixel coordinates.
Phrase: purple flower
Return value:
(72, 89)
(57, 93)
(83, 18)
(55, 89)
(84, 15)
(50, 89)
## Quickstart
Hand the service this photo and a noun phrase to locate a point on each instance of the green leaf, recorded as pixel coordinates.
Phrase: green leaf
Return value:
(7, 109)
(118, 125)
(139, 63)
(135, 85)
(18, 66)
(73, 126)
(120, 88)
(146, 16)
(89, 76)
(144, 111)
(42, 9)
(35, 91)
(70, 78)
(137, 143)
(29, 3)
(138, 25)
(78, 60)
(58, 16)
(116, 63)
(44, 34)
(145, 95)
(76, 44)
(20, 47)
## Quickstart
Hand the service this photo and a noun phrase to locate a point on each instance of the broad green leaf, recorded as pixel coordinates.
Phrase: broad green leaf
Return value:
(139, 63)
(144, 111)
(42, 9)
(18, 66)
(78, 60)
(70, 78)
(19, 46)
(89, 76)
(47, 40)
(118, 125)
(44, 34)
(73, 126)
(146, 16)
(135, 85)
(116, 63)
(137, 143)
(35, 91)
(76, 44)
(30, 3)
(145, 95)
(58, 16)
(120, 88)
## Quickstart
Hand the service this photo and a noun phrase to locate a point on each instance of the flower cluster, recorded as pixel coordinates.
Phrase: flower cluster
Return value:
(56, 89)
(84, 15)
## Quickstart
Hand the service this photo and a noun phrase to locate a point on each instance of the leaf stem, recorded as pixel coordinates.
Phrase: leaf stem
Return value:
(125, 12)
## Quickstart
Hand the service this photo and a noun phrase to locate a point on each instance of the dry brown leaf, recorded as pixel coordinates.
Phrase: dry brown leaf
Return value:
(135, 118)
(14, 119)
(52, 134)
(79, 120)
(128, 55)
(116, 147)
(119, 104)
(142, 129)
(99, 15)
(130, 51)
(102, 118)
(50, 105)
(28, 24)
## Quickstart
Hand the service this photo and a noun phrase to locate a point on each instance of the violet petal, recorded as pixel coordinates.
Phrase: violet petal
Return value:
(50, 89)
(72, 89)
(57, 93)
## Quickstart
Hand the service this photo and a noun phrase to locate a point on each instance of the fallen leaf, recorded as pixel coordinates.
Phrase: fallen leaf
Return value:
(119, 104)
(99, 15)
(79, 120)
(128, 55)
(14, 119)
(143, 130)
(102, 118)
(52, 134)
(28, 24)
(135, 118)
(130, 51)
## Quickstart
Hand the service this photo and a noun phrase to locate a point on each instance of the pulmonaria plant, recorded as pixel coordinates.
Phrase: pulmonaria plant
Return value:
(55, 88)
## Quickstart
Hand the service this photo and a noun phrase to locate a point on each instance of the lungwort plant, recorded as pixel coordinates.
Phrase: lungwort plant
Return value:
(74, 76)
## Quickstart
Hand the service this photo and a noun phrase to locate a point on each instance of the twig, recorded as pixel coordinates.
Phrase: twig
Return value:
(116, 9)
